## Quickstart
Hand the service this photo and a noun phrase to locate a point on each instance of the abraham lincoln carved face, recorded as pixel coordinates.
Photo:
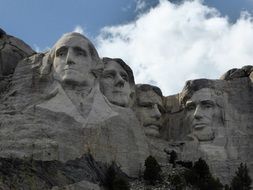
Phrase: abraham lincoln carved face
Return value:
(204, 114)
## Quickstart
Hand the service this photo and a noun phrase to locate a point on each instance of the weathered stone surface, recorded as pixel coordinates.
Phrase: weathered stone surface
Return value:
(12, 50)
(27, 173)
(67, 102)
(245, 71)
(58, 115)
(83, 185)
(220, 126)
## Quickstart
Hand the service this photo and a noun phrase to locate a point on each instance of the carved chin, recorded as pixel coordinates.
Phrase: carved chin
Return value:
(204, 136)
(71, 80)
(152, 130)
(119, 100)
(121, 103)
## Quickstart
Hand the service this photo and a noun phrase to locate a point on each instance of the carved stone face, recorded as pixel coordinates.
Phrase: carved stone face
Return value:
(114, 84)
(72, 62)
(203, 114)
(148, 111)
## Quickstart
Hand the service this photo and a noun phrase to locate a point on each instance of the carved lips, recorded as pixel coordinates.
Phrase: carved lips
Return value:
(199, 126)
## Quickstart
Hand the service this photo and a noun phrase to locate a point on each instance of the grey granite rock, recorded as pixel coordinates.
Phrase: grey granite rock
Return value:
(245, 71)
(12, 50)
(57, 118)
(27, 174)
(216, 124)
(52, 113)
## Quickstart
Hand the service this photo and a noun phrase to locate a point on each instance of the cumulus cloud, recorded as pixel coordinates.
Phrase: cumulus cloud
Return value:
(79, 29)
(38, 49)
(140, 5)
(171, 43)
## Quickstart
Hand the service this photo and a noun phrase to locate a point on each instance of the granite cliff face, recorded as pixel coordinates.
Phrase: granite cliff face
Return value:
(64, 107)
(212, 119)
(12, 50)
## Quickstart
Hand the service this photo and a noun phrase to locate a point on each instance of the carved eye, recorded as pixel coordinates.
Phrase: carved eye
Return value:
(190, 107)
(125, 77)
(161, 109)
(81, 53)
(108, 75)
(61, 53)
(146, 105)
(207, 104)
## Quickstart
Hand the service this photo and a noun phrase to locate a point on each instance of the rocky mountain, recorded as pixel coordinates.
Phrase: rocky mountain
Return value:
(67, 114)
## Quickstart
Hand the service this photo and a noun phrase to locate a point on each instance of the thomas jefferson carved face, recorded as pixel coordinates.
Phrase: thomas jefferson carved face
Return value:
(148, 110)
(73, 61)
(203, 114)
(114, 84)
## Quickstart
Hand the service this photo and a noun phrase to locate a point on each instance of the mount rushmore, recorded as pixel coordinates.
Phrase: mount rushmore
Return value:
(68, 102)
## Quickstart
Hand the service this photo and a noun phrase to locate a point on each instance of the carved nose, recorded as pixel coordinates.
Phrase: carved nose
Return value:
(69, 58)
(156, 112)
(198, 113)
(119, 81)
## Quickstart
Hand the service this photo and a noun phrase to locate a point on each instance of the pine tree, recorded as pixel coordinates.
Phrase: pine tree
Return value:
(201, 168)
(241, 181)
(173, 157)
(201, 178)
(152, 170)
(120, 183)
(110, 176)
(226, 187)
(115, 181)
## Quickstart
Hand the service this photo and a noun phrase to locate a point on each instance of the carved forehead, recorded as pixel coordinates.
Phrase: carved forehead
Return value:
(147, 87)
(203, 95)
(71, 40)
(123, 65)
(149, 96)
(113, 65)
(193, 86)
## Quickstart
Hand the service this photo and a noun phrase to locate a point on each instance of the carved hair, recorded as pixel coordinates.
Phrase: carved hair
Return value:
(193, 86)
(46, 67)
(124, 66)
(148, 87)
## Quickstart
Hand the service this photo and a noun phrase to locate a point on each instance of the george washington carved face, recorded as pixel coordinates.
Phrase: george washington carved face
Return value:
(73, 60)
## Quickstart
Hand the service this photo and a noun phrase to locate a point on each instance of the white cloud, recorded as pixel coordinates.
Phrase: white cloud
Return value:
(38, 49)
(140, 5)
(79, 29)
(174, 43)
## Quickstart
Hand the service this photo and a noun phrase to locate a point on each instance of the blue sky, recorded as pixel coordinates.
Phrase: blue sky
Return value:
(194, 29)
(41, 22)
